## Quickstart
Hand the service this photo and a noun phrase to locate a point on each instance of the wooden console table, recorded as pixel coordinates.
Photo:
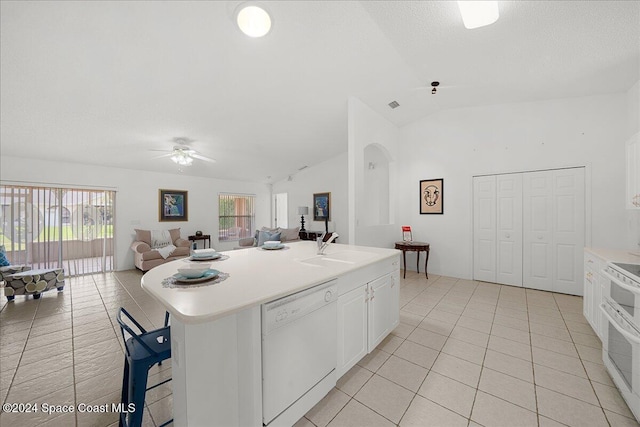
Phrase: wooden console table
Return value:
(205, 237)
(416, 247)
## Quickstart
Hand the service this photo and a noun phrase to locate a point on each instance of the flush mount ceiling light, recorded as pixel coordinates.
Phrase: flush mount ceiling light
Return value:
(477, 14)
(253, 20)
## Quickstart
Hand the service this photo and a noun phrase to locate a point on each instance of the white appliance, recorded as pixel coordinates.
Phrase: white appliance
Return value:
(621, 331)
(622, 287)
(299, 352)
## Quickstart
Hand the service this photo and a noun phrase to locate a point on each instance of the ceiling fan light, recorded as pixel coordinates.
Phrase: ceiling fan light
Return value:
(477, 14)
(181, 158)
(253, 20)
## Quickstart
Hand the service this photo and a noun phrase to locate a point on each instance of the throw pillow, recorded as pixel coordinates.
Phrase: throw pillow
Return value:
(143, 236)
(160, 239)
(175, 234)
(4, 262)
(264, 236)
(289, 233)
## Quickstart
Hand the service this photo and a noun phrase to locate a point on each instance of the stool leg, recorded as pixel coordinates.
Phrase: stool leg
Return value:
(137, 390)
(124, 397)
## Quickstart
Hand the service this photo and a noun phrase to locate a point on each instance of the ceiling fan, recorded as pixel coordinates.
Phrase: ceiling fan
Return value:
(182, 154)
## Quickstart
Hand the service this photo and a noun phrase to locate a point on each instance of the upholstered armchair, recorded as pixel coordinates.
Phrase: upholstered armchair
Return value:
(145, 256)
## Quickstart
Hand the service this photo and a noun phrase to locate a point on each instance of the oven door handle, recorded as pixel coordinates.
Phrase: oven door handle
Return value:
(615, 324)
(622, 285)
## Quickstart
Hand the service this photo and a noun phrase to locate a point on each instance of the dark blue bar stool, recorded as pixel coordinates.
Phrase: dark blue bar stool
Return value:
(142, 350)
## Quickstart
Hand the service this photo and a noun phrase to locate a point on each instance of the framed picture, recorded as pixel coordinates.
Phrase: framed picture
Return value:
(431, 196)
(322, 206)
(173, 205)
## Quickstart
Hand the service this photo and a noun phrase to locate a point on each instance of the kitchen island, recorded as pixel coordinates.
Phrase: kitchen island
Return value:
(217, 329)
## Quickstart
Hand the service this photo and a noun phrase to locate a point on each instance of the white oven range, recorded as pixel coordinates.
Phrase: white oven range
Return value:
(621, 331)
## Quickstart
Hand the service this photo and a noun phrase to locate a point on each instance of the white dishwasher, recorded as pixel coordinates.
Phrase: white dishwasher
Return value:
(298, 346)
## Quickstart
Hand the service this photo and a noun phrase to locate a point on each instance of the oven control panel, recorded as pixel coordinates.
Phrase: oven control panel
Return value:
(626, 273)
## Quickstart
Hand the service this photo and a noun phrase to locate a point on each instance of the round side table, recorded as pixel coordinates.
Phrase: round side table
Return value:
(414, 247)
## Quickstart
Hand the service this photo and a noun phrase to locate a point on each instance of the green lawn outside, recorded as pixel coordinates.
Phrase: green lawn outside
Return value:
(51, 233)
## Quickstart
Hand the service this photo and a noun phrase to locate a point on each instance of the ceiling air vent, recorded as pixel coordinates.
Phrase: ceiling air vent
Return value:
(394, 104)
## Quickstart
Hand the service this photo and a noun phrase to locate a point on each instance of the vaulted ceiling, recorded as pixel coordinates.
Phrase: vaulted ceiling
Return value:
(107, 83)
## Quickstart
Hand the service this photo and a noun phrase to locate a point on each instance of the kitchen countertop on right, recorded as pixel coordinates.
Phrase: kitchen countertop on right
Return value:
(615, 255)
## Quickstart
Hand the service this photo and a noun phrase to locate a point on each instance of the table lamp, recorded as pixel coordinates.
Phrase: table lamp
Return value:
(302, 211)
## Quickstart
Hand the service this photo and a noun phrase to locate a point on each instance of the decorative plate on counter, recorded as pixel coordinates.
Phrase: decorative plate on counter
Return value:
(209, 258)
(272, 248)
(208, 275)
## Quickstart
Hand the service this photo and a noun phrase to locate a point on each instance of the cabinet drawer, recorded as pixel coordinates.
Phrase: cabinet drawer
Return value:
(593, 262)
(353, 279)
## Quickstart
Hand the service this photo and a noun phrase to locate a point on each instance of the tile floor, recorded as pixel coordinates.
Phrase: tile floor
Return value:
(465, 353)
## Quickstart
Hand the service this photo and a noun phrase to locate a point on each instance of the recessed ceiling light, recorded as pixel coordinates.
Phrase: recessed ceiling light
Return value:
(477, 14)
(253, 20)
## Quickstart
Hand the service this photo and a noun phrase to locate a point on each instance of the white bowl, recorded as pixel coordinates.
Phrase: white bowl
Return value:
(272, 243)
(194, 272)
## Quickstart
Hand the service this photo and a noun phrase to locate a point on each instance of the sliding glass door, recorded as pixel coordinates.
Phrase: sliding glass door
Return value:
(58, 227)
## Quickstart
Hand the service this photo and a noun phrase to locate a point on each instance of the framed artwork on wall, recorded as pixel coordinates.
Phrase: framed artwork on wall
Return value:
(322, 207)
(173, 205)
(431, 196)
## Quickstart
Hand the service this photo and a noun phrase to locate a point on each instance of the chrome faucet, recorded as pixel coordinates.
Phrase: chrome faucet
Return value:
(323, 245)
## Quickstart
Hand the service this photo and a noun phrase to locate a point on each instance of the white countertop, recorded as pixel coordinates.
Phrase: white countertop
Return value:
(615, 255)
(256, 276)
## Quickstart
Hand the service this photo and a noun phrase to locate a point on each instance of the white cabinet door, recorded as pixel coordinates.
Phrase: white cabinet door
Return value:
(568, 230)
(484, 228)
(352, 328)
(380, 299)
(587, 302)
(509, 229)
(394, 301)
(593, 282)
(596, 314)
(538, 230)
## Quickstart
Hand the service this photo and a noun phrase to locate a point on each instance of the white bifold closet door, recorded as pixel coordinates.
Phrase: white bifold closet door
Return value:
(484, 228)
(554, 224)
(529, 229)
(509, 229)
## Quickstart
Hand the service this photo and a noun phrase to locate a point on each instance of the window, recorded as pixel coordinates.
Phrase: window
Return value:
(47, 227)
(237, 216)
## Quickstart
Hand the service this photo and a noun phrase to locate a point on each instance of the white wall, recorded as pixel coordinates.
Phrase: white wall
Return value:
(366, 127)
(328, 176)
(137, 197)
(633, 124)
(457, 144)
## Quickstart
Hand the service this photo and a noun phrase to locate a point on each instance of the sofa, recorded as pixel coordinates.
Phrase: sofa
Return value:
(283, 234)
(146, 249)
